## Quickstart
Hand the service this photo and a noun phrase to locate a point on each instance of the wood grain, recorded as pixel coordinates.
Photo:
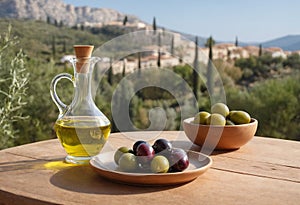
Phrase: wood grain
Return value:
(264, 171)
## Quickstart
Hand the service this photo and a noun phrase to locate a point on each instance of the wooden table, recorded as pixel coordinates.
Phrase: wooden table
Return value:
(264, 171)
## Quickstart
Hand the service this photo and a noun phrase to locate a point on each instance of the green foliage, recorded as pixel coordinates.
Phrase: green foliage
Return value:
(210, 42)
(259, 68)
(275, 103)
(196, 70)
(292, 61)
(229, 73)
(185, 71)
(13, 87)
(35, 38)
(110, 31)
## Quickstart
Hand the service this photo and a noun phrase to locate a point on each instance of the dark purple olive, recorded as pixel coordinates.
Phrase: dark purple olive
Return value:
(178, 160)
(145, 153)
(136, 144)
(161, 145)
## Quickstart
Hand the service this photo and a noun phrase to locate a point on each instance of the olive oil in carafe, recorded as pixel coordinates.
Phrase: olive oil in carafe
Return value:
(82, 136)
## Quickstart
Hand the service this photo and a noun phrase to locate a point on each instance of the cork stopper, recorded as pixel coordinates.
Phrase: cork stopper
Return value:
(83, 54)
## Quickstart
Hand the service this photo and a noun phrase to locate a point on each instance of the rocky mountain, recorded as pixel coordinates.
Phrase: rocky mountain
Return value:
(57, 10)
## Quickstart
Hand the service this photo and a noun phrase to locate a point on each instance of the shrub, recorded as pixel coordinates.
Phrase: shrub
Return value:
(13, 87)
(274, 103)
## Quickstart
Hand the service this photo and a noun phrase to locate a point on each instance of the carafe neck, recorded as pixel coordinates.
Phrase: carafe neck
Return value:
(83, 89)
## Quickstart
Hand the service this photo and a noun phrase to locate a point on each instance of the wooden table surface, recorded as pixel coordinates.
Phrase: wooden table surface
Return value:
(264, 171)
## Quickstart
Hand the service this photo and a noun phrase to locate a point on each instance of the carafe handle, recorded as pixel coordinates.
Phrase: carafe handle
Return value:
(61, 106)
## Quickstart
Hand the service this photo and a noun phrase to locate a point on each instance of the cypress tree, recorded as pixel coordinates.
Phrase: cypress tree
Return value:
(124, 67)
(196, 70)
(172, 45)
(125, 21)
(158, 58)
(139, 64)
(210, 44)
(159, 53)
(110, 73)
(236, 41)
(209, 66)
(260, 50)
(154, 24)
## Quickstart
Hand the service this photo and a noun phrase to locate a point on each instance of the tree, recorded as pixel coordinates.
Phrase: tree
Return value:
(260, 50)
(110, 72)
(139, 64)
(236, 41)
(159, 53)
(210, 42)
(158, 58)
(172, 45)
(125, 21)
(124, 67)
(196, 70)
(274, 103)
(154, 25)
(292, 61)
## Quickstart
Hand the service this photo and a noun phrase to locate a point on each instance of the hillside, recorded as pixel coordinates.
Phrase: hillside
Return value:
(57, 10)
(36, 38)
(289, 42)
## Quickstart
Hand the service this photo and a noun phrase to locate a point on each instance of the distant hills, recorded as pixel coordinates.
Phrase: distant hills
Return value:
(288, 43)
(66, 14)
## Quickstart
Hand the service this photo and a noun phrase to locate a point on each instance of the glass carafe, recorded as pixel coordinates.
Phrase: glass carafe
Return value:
(81, 127)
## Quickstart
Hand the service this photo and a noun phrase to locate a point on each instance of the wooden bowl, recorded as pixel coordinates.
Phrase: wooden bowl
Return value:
(220, 137)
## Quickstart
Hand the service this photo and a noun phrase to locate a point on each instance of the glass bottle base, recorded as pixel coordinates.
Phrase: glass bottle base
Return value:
(77, 160)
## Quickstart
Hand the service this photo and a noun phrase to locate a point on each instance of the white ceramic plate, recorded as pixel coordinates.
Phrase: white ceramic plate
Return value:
(104, 165)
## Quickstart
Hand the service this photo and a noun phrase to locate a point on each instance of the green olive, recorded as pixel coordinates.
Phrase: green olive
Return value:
(240, 117)
(220, 108)
(128, 162)
(201, 117)
(216, 119)
(119, 153)
(229, 122)
(159, 164)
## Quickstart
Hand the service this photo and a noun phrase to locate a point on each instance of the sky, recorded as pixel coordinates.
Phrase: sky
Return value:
(224, 20)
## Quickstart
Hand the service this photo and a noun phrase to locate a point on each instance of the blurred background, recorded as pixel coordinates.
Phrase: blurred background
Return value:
(254, 46)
